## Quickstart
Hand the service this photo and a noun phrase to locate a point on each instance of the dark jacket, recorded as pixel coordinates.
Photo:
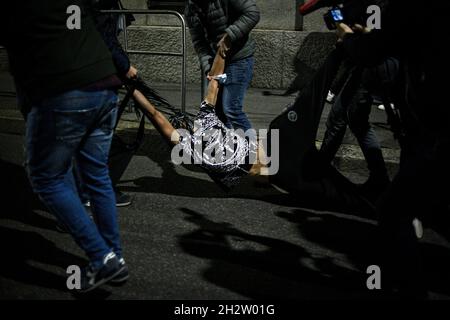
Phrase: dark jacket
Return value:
(209, 20)
(46, 58)
(108, 26)
(409, 34)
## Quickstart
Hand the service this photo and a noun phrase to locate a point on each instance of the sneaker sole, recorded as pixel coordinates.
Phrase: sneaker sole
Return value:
(123, 204)
(101, 281)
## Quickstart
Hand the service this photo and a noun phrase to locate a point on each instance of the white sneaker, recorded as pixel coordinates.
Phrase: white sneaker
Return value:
(330, 97)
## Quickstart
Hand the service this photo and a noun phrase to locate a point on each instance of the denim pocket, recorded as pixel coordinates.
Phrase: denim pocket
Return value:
(72, 125)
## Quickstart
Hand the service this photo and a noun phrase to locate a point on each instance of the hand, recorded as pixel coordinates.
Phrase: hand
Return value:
(342, 30)
(132, 73)
(361, 29)
(224, 45)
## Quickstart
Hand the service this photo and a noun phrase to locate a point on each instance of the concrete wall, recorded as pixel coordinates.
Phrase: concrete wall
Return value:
(282, 37)
(275, 15)
(274, 58)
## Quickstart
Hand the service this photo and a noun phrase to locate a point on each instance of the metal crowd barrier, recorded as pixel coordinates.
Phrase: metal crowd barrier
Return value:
(181, 54)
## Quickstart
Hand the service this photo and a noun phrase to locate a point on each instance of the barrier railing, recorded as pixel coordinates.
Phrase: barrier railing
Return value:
(181, 54)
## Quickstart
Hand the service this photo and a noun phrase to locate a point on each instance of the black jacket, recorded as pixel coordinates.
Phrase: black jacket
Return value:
(208, 21)
(108, 26)
(409, 33)
(47, 58)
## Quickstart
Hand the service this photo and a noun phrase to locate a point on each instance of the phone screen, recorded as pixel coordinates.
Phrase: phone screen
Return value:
(337, 15)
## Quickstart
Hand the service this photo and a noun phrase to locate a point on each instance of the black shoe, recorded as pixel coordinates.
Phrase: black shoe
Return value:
(123, 276)
(91, 279)
(122, 199)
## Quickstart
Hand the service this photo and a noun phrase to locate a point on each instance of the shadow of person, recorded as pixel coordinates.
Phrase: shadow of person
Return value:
(19, 248)
(360, 240)
(22, 251)
(262, 267)
(356, 238)
(22, 202)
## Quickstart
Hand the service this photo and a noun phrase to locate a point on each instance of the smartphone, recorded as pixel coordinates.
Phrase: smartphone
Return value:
(337, 15)
(333, 17)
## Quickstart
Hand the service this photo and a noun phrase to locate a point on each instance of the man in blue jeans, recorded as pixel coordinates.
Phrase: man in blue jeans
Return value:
(68, 79)
(224, 26)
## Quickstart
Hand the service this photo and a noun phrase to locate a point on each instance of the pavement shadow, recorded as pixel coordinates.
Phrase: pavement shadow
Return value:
(359, 241)
(22, 202)
(21, 249)
(262, 267)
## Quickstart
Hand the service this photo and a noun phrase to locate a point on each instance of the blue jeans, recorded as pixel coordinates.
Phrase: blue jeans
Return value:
(239, 75)
(76, 125)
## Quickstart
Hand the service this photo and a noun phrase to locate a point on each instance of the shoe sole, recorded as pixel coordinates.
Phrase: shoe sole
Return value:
(102, 281)
(123, 204)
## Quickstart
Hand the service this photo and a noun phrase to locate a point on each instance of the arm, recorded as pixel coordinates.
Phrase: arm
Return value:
(248, 19)
(217, 68)
(199, 40)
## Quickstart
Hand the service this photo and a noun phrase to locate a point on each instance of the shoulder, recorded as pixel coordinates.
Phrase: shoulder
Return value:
(191, 8)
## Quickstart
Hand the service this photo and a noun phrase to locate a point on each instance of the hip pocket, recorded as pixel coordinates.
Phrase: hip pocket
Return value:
(72, 124)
